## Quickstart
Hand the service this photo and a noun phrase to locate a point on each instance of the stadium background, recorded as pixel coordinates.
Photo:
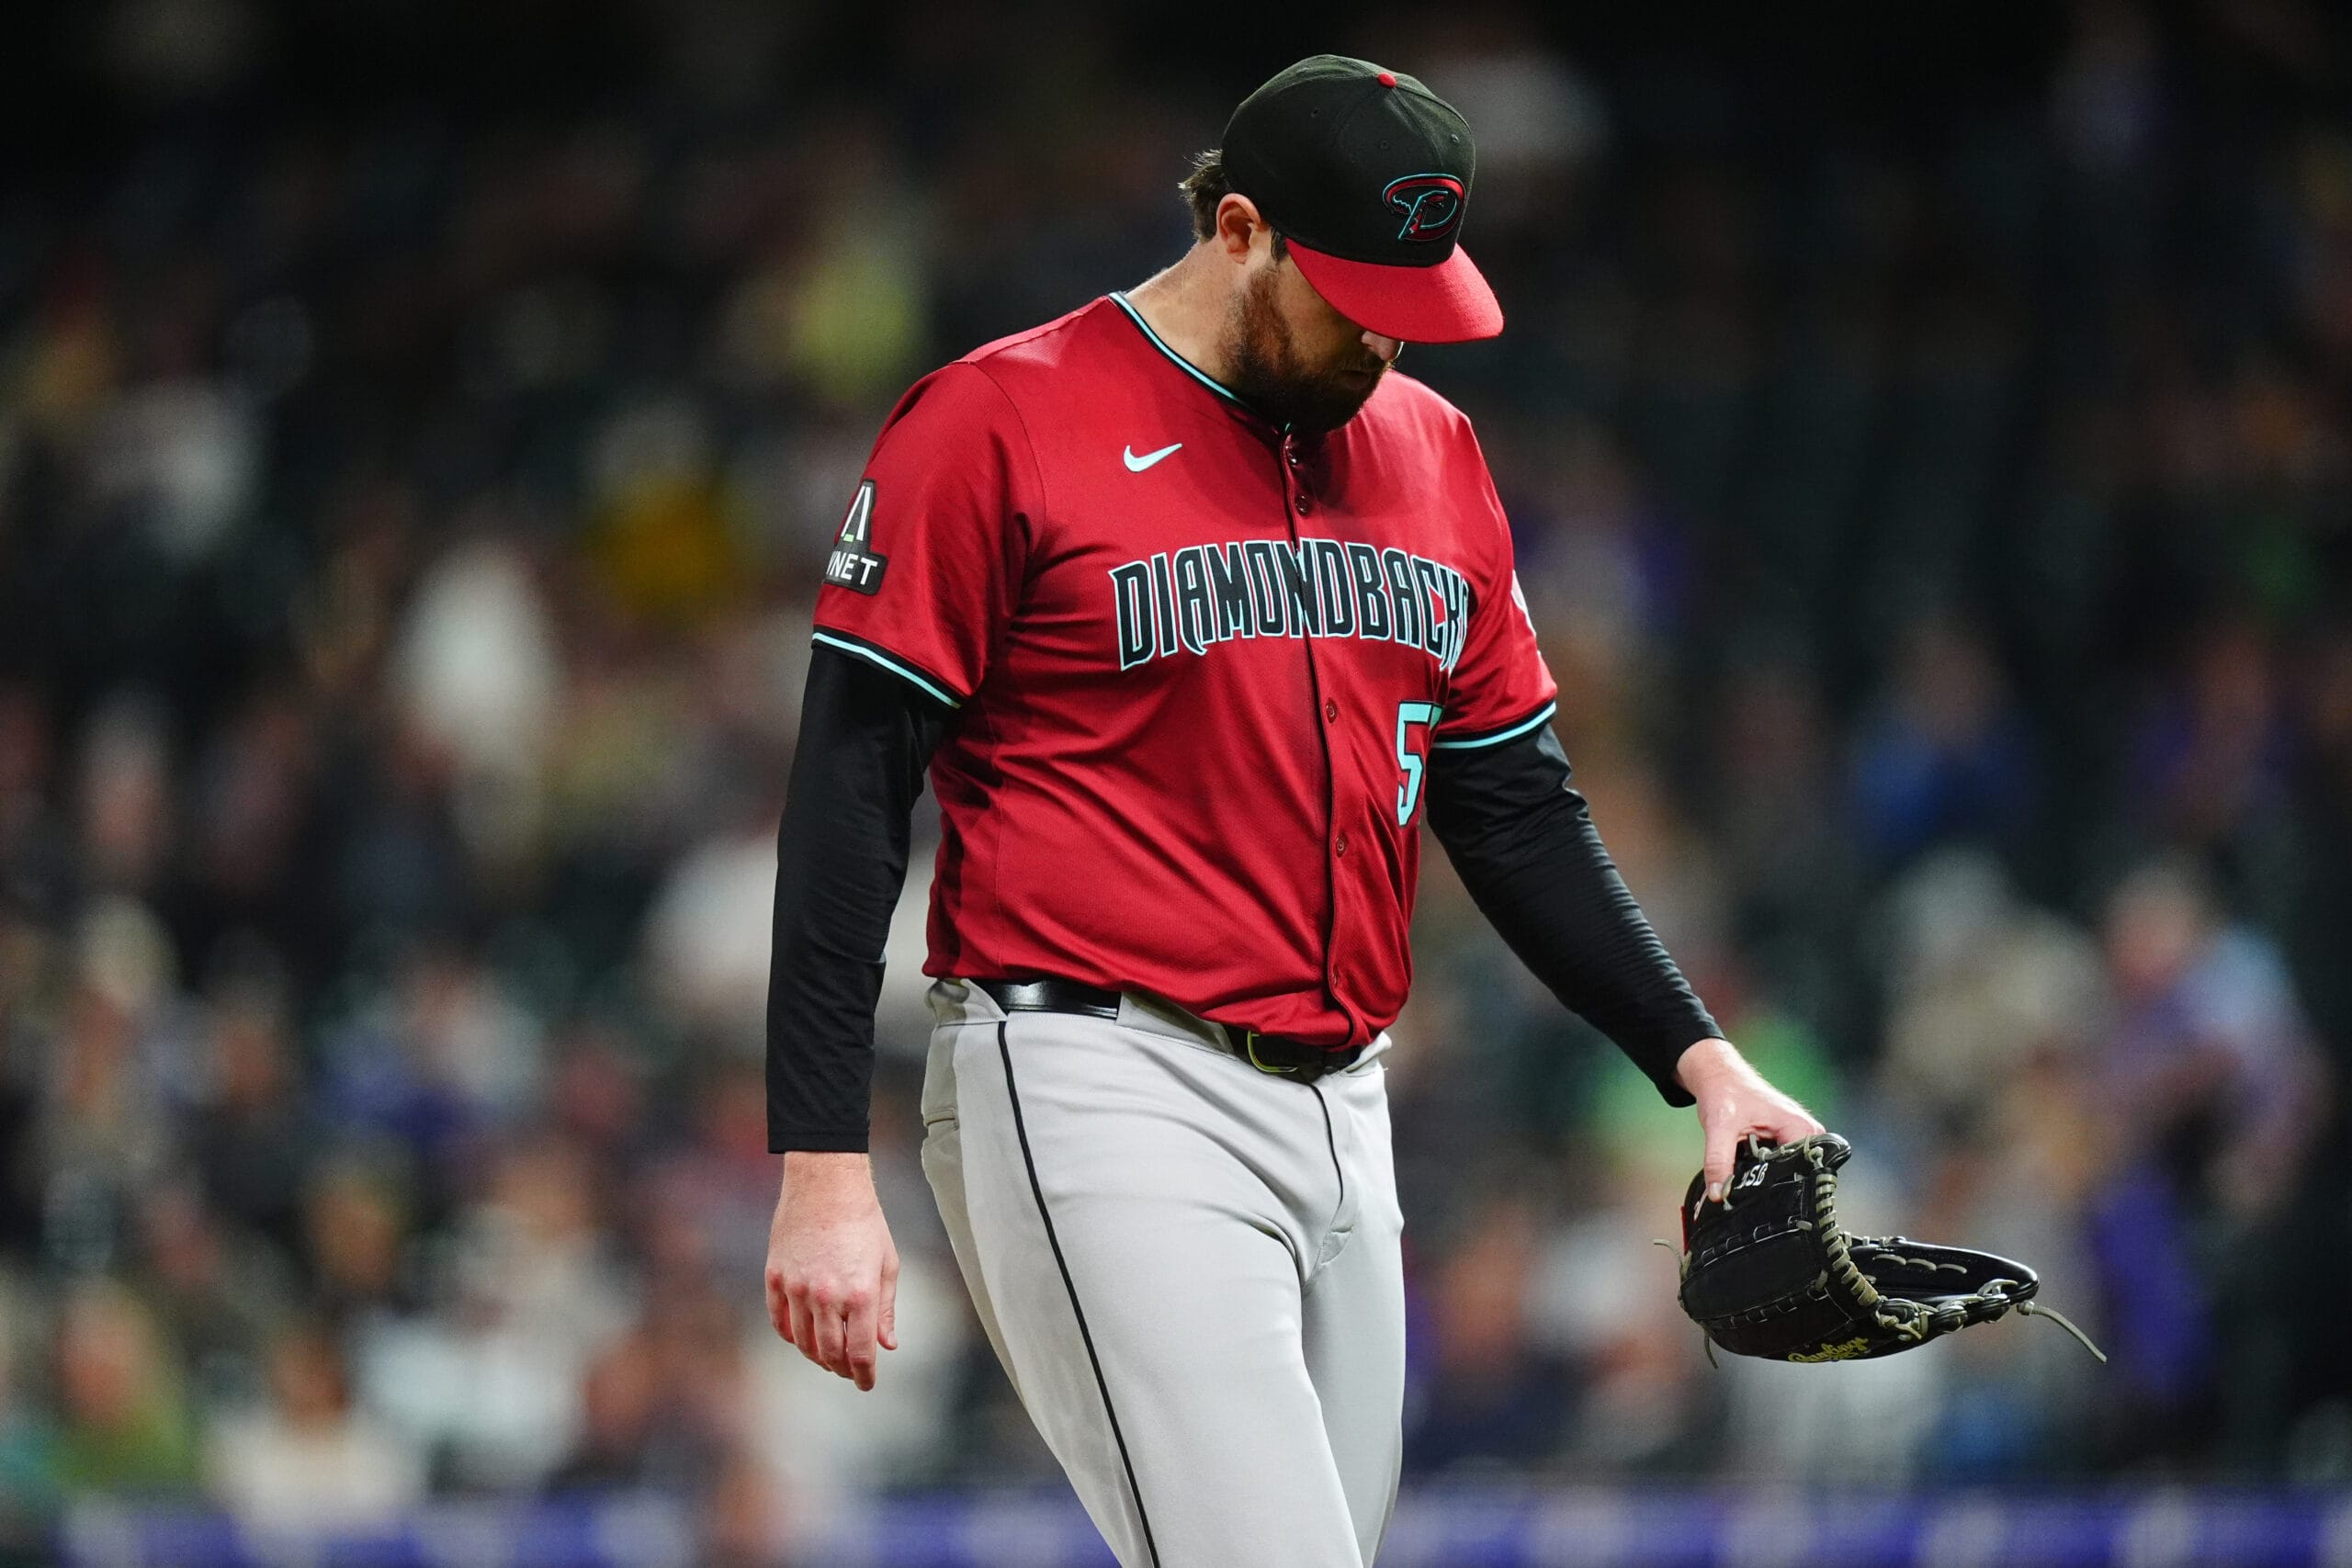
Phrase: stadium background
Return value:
(421, 426)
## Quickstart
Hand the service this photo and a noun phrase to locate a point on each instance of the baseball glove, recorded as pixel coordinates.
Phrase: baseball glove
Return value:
(1769, 1271)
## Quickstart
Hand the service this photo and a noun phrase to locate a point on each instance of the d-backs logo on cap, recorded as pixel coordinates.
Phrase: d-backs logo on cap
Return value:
(1430, 205)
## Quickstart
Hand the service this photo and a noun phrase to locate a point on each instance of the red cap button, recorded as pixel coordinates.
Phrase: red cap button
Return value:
(1387, 78)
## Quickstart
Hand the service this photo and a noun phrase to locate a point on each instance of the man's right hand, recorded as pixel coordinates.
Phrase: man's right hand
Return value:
(832, 1273)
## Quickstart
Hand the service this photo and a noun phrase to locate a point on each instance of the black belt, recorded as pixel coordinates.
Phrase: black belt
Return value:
(1267, 1053)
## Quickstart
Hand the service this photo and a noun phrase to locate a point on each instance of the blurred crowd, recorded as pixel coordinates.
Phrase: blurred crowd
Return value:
(1939, 523)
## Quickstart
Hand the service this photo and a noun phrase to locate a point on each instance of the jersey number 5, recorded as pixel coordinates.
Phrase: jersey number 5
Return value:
(1409, 717)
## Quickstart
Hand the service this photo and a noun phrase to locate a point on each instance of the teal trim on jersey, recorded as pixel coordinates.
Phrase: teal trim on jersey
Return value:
(1497, 739)
(1183, 364)
(893, 666)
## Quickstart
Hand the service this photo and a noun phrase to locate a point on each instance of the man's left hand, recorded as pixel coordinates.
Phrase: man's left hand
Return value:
(1734, 1101)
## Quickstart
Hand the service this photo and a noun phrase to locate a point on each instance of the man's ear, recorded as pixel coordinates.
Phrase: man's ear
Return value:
(1238, 227)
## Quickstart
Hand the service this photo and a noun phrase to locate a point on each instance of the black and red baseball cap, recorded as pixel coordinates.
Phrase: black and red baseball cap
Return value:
(1366, 174)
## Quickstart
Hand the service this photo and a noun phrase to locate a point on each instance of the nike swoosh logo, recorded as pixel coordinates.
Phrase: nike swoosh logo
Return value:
(1136, 465)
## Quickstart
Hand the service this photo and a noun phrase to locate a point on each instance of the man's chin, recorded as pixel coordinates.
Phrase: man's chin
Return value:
(1317, 405)
(1326, 408)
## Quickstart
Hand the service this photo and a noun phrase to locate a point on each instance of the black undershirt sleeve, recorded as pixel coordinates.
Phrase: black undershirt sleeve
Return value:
(1520, 835)
(866, 737)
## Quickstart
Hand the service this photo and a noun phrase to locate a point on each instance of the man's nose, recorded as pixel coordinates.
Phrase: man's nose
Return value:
(1387, 348)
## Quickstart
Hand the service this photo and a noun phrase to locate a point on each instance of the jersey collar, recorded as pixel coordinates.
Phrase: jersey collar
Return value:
(1186, 366)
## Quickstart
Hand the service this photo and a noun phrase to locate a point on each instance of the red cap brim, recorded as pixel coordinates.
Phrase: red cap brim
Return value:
(1446, 303)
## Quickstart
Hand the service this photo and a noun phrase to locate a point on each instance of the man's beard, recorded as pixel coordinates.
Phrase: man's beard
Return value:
(1261, 364)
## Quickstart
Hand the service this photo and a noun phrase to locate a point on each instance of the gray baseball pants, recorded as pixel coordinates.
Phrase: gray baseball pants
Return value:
(1189, 1268)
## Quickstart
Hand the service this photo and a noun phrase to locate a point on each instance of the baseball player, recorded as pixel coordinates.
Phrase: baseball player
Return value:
(1193, 609)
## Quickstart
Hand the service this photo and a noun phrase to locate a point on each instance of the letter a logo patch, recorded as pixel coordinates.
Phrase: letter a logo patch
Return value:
(854, 565)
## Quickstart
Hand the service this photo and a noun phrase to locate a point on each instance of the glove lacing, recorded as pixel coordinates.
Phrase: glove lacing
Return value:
(1908, 1320)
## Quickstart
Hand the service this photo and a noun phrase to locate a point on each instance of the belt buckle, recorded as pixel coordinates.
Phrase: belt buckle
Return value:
(1249, 1049)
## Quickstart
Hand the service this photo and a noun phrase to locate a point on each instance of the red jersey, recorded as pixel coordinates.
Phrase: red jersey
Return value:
(1200, 663)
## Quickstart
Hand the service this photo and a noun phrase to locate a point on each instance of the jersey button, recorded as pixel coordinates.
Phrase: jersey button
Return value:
(1304, 505)
(1339, 845)
(1330, 713)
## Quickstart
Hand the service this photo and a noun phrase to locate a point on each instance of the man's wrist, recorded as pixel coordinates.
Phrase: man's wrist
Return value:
(828, 1166)
(1703, 1060)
